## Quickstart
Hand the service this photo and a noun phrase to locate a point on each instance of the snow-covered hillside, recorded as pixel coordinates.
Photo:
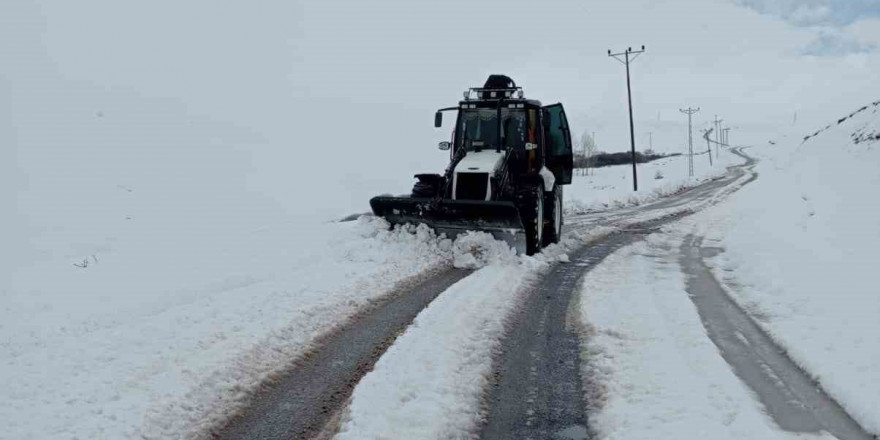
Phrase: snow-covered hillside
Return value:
(800, 253)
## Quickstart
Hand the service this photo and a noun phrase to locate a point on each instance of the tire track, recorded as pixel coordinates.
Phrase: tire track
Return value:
(538, 391)
(790, 397)
(306, 399)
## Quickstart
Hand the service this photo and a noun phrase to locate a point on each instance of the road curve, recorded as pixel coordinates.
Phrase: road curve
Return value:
(790, 397)
(537, 391)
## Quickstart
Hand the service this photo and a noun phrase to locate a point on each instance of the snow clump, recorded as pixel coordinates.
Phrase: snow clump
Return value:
(473, 250)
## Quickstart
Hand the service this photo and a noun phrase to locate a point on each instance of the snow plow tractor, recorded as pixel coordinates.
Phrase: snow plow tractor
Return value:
(509, 159)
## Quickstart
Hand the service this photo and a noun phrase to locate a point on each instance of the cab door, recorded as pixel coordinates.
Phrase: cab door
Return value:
(557, 138)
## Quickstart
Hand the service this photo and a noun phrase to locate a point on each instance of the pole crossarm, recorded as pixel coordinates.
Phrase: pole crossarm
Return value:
(628, 51)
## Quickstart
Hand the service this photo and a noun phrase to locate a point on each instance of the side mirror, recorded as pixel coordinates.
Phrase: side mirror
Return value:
(438, 119)
(444, 145)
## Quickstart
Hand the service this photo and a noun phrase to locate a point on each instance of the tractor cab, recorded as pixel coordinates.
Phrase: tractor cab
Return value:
(497, 117)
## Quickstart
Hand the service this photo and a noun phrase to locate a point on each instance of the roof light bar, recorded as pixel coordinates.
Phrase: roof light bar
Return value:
(494, 93)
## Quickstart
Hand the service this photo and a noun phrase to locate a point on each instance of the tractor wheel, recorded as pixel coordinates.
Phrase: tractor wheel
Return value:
(428, 185)
(531, 209)
(553, 212)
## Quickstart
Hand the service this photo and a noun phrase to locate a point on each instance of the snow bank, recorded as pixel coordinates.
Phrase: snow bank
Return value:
(649, 368)
(428, 384)
(104, 352)
(800, 254)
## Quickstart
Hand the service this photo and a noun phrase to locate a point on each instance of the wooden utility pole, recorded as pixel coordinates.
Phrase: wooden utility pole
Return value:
(632, 137)
(709, 144)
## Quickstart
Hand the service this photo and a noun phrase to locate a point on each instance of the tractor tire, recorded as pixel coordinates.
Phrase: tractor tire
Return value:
(428, 186)
(530, 201)
(553, 213)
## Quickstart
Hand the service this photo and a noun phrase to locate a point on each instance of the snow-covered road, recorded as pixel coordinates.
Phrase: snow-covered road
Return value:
(382, 338)
(433, 381)
(622, 354)
(540, 390)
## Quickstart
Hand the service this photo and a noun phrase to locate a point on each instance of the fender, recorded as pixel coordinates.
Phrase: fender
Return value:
(549, 179)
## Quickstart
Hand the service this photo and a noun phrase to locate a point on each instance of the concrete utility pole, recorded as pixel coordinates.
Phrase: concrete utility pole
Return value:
(718, 134)
(690, 111)
(727, 137)
(632, 136)
(651, 140)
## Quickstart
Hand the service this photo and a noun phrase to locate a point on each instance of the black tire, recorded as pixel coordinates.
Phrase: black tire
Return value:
(530, 198)
(428, 185)
(553, 213)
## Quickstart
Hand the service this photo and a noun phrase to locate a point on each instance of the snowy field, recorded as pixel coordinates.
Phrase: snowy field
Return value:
(800, 251)
(611, 187)
(113, 351)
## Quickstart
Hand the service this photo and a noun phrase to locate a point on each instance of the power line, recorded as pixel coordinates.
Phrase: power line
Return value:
(690, 112)
(632, 136)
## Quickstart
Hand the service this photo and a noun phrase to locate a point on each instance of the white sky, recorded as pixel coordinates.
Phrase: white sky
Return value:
(338, 97)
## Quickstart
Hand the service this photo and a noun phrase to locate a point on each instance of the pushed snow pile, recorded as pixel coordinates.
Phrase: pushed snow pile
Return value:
(420, 238)
(801, 253)
(154, 339)
(473, 250)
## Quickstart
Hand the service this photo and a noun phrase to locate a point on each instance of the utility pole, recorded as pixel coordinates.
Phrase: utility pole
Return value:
(718, 134)
(709, 144)
(651, 140)
(584, 146)
(690, 111)
(727, 137)
(632, 136)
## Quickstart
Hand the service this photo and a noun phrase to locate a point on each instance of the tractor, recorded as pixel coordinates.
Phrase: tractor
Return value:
(509, 159)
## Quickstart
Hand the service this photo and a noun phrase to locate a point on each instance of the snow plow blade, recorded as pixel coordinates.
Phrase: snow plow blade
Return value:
(453, 217)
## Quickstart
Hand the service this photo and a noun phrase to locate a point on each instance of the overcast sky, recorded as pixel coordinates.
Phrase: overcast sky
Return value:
(343, 93)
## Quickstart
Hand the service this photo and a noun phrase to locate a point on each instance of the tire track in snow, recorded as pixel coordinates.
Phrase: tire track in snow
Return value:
(301, 403)
(794, 401)
(538, 391)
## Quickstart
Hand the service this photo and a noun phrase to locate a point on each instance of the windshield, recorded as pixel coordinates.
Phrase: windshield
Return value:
(478, 129)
